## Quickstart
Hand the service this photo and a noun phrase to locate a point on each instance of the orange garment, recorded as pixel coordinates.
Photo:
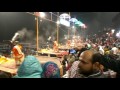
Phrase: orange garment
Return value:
(68, 42)
(17, 52)
(55, 46)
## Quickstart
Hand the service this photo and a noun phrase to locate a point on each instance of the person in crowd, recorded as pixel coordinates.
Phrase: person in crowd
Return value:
(55, 46)
(101, 50)
(30, 68)
(5, 74)
(73, 71)
(64, 63)
(118, 53)
(112, 64)
(80, 50)
(90, 65)
(114, 50)
(50, 70)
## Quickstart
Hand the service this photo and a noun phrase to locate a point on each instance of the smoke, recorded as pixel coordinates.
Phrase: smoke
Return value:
(47, 30)
(26, 35)
(106, 17)
(99, 21)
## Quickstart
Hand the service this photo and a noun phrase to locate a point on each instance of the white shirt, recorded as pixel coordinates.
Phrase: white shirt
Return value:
(114, 50)
(101, 51)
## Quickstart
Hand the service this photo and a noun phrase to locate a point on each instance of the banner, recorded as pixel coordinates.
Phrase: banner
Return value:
(65, 19)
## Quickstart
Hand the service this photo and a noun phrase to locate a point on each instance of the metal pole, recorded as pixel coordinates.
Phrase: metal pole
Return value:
(69, 30)
(58, 28)
(74, 31)
(68, 33)
(37, 40)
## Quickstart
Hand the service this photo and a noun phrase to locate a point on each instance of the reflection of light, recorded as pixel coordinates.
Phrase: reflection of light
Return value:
(64, 19)
(58, 22)
(73, 26)
(42, 14)
(64, 16)
(113, 30)
(118, 34)
(106, 33)
(64, 22)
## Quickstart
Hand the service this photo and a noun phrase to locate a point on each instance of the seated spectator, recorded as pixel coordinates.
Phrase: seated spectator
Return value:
(73, 71)
(71, 58)
(30, 68)
(50, 70)
(114, 50)
(64, 62)
(110, 63)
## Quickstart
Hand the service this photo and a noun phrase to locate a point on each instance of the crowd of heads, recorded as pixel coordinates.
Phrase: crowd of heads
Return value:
(95, 58)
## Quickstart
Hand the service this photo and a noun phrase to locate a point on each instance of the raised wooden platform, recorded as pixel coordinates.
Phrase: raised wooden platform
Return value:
(51, 54)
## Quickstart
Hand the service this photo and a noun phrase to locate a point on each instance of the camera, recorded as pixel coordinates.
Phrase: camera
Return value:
(72, 51)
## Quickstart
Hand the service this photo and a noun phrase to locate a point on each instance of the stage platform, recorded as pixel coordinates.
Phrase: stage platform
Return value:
(8, 65)
(51, 53)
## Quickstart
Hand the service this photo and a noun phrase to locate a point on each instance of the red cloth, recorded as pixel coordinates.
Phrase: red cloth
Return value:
(16, 53)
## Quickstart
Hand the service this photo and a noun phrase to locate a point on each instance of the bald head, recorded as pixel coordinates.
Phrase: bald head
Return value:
(87, 55)
(89, 62)
(91, 56)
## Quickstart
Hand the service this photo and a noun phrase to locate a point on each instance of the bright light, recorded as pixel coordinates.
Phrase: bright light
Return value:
(106, 33)
(118, 34)
(64, 19)
(42, 14)
(113, 30)
(73, 26)
(58, 22)
(40, 20)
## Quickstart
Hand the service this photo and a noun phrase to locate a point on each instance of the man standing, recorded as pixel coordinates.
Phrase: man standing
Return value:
(17, 53)
(55, 46)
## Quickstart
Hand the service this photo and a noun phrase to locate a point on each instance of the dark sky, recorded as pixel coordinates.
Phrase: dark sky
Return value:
(11, 22)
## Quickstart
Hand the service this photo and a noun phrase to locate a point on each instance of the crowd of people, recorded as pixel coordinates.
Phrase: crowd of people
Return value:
(93, 58)
(98, 57)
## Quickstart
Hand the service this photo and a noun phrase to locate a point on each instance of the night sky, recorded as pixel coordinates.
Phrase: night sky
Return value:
(11, 22)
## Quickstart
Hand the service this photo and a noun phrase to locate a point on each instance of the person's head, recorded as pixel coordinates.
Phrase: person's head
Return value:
(5, 74)
(114, 45)
(30, 68)
(88, 46)
(118, 47)
(15, 42)
(51, 70)
(79, 47)
(65, 57)
(90, 62)
(81, 50)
